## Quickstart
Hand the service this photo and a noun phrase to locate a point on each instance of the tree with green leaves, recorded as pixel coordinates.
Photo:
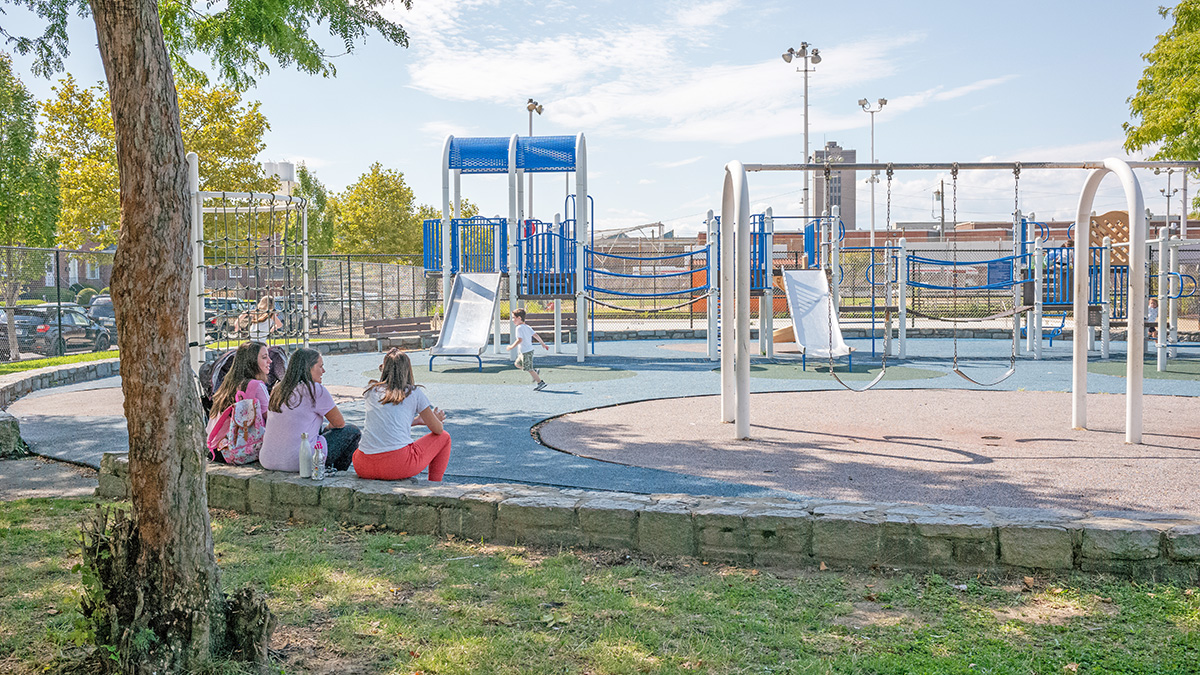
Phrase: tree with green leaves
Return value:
(1168, 94)
(28, 195)
(217, 125)
(375, 214)
(154, 596)
(320, 211)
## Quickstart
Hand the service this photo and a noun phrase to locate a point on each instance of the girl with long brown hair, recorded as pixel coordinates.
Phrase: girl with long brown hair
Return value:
(300, 404)
(395, 403)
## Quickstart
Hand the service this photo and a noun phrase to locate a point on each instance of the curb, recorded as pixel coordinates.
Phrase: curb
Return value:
(769, 531)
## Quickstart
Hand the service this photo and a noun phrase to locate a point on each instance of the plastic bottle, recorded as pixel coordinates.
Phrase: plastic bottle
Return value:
(306, 465)
(318, 462)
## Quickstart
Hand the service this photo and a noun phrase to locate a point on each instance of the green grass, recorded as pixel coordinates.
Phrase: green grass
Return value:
(357, 600)
(7, 367)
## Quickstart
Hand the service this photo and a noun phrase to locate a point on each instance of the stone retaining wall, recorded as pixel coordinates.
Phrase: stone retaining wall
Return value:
(15, 385)
(774, 532)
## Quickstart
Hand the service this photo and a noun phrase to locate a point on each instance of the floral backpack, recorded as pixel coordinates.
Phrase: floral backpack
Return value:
(238, 433)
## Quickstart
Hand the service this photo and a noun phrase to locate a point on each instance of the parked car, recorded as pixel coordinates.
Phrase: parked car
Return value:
(38, 330)
(101, 311)
(220, 315)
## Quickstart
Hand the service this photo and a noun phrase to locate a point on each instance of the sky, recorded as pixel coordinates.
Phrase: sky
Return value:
(668, 92)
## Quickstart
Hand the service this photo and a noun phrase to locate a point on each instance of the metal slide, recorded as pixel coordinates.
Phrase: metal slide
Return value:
(469, 313)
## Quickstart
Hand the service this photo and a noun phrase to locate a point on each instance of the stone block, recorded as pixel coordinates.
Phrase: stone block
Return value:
(375, 497)
(337, 498)
(259, 496)
(435, 495)
(10, 436)
(411, 518)
(226, 480)
(544, 520)
(609, 522)
(1183, 542)
(903, 546)
(472, 518)
(1119, 539)
(1036, 546)
(721, 533)
(855, 538)
(115, 463)
(975, 552)
(785, 530)
(112, 487)
(355, 518)
(297, 491)
(666, 528)
(312, 514)
(223, 497)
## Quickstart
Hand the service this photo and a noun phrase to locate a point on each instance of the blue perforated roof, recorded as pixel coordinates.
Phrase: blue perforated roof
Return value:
(546, 153)
(490, 155)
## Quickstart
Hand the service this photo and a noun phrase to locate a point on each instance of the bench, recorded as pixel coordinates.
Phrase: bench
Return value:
(420, 326)
(543, 324)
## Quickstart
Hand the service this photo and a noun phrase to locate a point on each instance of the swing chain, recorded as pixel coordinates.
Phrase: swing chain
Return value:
(1016, 188)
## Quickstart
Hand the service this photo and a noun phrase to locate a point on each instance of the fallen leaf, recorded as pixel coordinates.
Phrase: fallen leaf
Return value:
(753, 573)
(870, 597)
(1105, 599)
(1056, 591)
(1190, 591)
(1071, 668)
(823, 566)
(1029, 581)
(52, 611)
(413, 654)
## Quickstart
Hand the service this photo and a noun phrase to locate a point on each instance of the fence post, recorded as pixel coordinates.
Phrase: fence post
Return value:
(1105, 296)
(1175, 289)
(1160, 342)
(58, 303)
(349, 298)
(902, 277)
(766, 304)
(1035, 331)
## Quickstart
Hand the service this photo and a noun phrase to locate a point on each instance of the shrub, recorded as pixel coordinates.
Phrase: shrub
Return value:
(58, 295)
(85, 296)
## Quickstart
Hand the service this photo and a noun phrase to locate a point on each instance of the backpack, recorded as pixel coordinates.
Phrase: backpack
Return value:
(212, 373)
(238, 432)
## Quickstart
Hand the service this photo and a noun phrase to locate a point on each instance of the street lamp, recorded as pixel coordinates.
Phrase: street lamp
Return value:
(866, 106)
(1168, 193)
(814, 58)
(533, 107)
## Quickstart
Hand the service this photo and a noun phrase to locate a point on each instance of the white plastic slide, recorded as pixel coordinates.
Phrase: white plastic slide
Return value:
(469, 313)
(814, 319)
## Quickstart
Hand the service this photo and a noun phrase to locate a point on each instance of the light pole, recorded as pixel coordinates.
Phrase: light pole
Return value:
(814, 58)
(1168, 193)
(533, 107)
(866, 106)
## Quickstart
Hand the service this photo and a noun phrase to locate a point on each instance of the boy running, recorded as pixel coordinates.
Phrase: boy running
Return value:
(525, 338)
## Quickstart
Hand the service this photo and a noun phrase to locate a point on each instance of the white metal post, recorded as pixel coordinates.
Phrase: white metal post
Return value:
(835, 257)
(1160, 343)
(1174, 286)
(735, 215)
(446, 232)
(1105, 297)
(196, 332)
(902, 282)
(766, 304)
(1017, 289)
(1187, 208)
(1035, 330)
(581, 236)
(728, 292)
(714, 284)
(514, 241)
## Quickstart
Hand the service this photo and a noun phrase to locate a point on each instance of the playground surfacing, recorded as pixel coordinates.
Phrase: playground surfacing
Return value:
(495, 414)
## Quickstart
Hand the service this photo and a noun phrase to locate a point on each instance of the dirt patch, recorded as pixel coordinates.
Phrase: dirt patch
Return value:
(1048, 612)
(874, 614)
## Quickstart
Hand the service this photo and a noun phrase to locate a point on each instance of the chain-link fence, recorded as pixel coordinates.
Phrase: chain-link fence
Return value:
(54, 302)
(649, 283)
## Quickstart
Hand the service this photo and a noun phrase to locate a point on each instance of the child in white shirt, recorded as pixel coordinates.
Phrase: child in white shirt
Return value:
(525, 337)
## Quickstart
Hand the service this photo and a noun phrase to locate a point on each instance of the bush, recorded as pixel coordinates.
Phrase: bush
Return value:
(85, 296)
(104, 291)
(58, 295)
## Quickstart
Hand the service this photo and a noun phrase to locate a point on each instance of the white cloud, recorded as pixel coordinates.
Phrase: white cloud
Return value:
(679, 163)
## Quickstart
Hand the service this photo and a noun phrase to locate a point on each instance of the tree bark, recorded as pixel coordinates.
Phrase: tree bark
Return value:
(177, 593)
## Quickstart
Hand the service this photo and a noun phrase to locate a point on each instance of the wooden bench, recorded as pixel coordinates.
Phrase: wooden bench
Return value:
(543, 323)
(421, 326)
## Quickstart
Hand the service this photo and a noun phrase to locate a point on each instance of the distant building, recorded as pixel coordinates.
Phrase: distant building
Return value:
(841, 183)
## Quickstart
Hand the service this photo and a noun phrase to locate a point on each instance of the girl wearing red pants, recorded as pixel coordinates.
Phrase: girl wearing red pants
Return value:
(395, 404)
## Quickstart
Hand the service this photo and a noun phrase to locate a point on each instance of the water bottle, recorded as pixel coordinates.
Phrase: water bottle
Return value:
(306, 463)
(318, 462)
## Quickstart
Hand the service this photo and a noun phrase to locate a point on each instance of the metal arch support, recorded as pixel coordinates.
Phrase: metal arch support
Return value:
(735, 218)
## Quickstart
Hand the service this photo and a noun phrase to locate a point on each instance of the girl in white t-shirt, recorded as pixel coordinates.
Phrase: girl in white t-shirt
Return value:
(395, 403)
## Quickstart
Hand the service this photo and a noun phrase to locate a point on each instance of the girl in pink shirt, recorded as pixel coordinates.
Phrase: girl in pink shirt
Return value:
(248, 374)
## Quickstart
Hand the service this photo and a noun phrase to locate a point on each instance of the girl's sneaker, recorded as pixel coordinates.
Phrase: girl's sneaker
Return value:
(540, 386)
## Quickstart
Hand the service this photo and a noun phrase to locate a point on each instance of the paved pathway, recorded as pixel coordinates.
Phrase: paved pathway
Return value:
(38, 477)
(493, 414)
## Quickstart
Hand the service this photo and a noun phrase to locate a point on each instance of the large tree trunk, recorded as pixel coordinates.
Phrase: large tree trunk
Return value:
(173, 590)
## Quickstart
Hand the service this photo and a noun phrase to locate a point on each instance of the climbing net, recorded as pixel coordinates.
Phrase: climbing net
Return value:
(668, 284)
(253, 247)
